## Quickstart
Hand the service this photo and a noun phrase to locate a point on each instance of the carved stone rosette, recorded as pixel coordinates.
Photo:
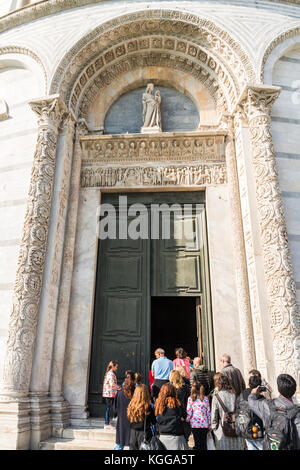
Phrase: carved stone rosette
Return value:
(283, 308)
(28, 284)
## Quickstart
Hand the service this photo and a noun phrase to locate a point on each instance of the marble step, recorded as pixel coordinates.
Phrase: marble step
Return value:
(89, 434)
(76, 444)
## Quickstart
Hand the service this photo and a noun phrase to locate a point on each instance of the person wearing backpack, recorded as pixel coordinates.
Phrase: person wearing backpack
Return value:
(248, 425)
(281, 417)
(223, 415)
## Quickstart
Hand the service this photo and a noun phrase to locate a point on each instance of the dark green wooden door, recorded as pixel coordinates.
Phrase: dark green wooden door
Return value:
(121, 310)
(130, 271)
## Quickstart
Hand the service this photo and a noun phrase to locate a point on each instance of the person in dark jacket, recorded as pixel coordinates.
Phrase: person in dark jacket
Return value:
(122, 400)
(170, 417)
(255, 443)
(234, 374)
(287, 386)
(201, 375)
(141, 416)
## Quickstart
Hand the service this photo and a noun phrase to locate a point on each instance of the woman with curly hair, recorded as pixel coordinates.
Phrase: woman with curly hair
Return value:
(121, 403)
(181, 360)
(141, 416)
(170, 417)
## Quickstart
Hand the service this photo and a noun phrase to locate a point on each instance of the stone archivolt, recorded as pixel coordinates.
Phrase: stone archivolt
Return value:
(273, 44)
(28, 52)
(146, 52)
(183, 38)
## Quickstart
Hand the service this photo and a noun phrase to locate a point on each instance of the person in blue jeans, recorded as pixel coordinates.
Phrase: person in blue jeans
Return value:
(161, 368)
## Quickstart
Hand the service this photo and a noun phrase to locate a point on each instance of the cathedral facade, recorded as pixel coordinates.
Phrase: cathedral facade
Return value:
(110, 103)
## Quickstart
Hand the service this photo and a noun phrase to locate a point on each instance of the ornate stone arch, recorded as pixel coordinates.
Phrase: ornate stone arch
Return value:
(33, 58)
(280, 44)
(153, 37)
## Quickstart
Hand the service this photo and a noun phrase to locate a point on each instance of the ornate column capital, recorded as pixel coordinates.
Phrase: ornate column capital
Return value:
(50, 110)
(257, 100)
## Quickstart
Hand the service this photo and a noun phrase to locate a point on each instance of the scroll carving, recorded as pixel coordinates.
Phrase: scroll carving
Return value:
(283, 308)
(28, 283)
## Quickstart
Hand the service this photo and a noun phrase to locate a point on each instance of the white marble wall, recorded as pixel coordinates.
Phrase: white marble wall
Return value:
(222, 274)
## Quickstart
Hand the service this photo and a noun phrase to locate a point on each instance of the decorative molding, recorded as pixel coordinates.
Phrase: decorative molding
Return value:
(146, 51)
(180, 25)
(148, 176)
(207, 146)
(283, 309)
(28, 284)
(44, 8)
(28, 52)
(289, 33)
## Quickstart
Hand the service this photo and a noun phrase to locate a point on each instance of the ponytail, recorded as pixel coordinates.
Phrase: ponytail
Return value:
(110, 366)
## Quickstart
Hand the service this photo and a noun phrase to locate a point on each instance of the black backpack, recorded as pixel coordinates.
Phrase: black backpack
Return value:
(244, 420)
(280, 429)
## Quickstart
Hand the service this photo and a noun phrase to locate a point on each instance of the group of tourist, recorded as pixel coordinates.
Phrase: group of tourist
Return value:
(217, 409)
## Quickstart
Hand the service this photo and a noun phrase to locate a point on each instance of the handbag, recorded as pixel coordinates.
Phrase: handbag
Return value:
(228, 424)
(153, 444)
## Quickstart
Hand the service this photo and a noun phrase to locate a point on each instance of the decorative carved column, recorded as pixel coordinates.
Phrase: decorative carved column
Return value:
(243, 298)
(282, 304)
(60, 407)
(28, 284)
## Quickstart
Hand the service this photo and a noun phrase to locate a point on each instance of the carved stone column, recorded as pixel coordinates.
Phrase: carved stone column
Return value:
(242, 286)
(28, 284)
(282, 304)
(60, 407)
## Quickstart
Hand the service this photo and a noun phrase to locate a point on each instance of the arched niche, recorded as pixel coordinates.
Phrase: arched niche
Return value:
(178, 112)
(162, 77)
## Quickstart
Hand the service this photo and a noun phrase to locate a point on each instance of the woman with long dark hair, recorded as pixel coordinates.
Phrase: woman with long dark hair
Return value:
(121, 403)
(141, 416)
(224, 396)
(170, 417)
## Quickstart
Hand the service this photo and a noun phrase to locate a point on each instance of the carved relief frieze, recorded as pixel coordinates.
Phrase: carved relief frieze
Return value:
(153, 176)
(166, 147)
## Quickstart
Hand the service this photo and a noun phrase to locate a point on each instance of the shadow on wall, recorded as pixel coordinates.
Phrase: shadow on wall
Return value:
(178, 112)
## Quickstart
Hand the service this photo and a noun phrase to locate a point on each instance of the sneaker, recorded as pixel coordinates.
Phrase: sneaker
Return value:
(108, 426)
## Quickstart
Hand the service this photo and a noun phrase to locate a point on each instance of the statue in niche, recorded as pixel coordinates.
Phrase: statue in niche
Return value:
(151, 110)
